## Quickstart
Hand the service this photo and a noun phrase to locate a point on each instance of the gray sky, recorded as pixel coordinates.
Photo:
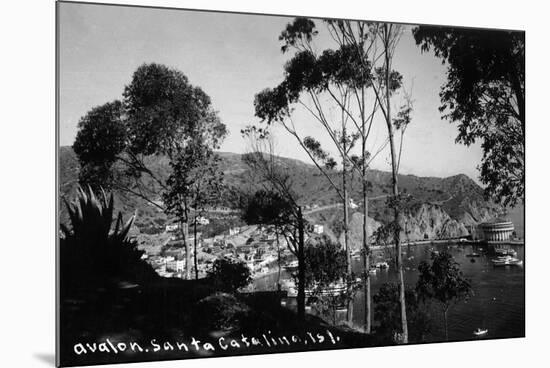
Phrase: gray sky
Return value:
(232, 57)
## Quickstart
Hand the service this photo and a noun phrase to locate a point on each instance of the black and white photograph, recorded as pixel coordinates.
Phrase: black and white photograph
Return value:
(237, 184)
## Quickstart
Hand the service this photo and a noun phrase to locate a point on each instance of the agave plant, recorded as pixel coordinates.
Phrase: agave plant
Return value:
(91, 219)
(90, 249)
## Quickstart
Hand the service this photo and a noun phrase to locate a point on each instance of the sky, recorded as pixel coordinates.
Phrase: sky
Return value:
(232, 57)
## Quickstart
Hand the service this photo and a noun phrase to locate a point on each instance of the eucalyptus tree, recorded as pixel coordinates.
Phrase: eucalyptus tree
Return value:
(390, 82)
(276, 203)
(339, 77)
(162, 118)
(194, 182)
(485, 95)
(205, 191)
(443, 282)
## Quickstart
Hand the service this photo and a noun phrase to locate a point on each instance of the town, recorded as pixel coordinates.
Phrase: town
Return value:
(255, 245)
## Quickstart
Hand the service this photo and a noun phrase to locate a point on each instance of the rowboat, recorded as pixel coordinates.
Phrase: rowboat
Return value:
(480, 332)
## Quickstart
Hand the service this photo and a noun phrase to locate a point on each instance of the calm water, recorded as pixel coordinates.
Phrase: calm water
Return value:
(498, 303)
(517, 216)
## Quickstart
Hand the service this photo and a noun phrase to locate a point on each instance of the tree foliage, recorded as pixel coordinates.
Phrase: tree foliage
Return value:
(164, 111)
(388, 315)
(442, 281)
(268, 208)
(161, 114)
(92, 250)
(325, 263)
(195, 180)
(278, 204)
(350, 79)
(485, 95)
(326, 269)
(101, 138)
(228, 275)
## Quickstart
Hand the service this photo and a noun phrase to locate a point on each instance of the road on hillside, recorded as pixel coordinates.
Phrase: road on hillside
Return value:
(334, 205)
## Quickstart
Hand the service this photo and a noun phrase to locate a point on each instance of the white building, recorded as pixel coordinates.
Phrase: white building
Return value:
(175, 265)
(234, 231)
(172, 227)
(497, 230)
(202, 220)
(318, 229)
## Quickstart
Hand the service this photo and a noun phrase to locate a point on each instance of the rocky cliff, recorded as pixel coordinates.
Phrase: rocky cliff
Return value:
(424, 221)
(430, 221)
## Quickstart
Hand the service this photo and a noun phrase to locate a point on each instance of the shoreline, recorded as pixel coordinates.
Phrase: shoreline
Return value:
(451, 242)
(481, 243)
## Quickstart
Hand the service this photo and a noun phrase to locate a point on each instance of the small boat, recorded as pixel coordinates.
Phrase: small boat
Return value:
(480, 332)
(292, 266)
(507, 261)
(506, 252)
(382, 265)
(473, 254)
(501, 260)
(515, 262)
(372, 270)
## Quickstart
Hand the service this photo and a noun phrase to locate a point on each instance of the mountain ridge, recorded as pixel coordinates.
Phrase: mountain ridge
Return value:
(457, 197)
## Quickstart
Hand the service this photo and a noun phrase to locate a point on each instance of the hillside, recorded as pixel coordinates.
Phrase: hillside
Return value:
(439, 206)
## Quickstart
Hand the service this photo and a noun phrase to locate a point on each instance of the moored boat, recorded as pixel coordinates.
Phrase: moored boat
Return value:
(507, 261)
(382, 265)
(480, 332)
(505, 252)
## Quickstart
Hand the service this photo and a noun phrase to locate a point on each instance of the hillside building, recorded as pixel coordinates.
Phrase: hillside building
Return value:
(318, 229)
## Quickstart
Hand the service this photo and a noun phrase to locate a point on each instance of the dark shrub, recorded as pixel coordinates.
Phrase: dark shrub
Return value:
(92, 251)
(219, 312)
(387, 314)
(228, 275)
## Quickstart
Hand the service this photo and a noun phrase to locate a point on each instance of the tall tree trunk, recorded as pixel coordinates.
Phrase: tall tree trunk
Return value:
(401, 280)
(301, 297)
(195, 249)
(445, 321)
(366, 253)
(278, 260)
(349, 313)
(184, 232)
(520, 98)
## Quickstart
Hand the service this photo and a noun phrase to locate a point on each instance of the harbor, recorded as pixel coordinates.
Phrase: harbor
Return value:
(496, 306)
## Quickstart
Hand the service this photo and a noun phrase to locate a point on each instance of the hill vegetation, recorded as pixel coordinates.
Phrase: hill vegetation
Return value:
(457, 197)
